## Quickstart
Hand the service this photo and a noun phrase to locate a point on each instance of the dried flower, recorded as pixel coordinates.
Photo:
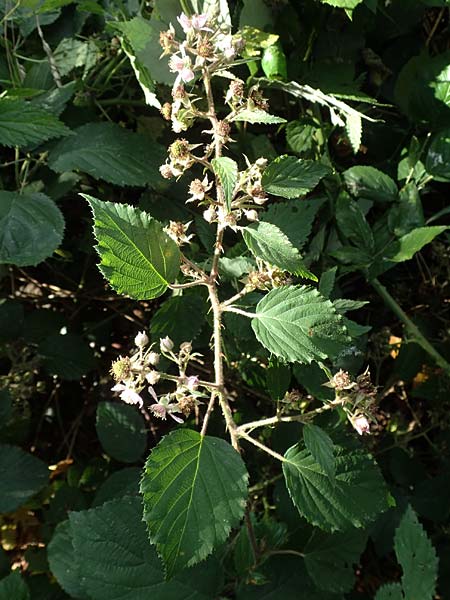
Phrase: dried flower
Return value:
(167, 171)
(210, 214)
(167, 40)
(341, 380)
(198, 189)
(166, 110)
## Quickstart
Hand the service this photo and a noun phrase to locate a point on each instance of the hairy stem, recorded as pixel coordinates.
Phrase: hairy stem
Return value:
(261, 446)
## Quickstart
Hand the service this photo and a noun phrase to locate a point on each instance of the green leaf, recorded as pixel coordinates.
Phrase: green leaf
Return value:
(72, 54)
(67, 356)
(295, 219)
(195, 490)
(298, 324)
(121, 431)
(329, 558)
(257, 115)
(55, 100)
(353, 224)
(327, 281)
(390, 591)
(407, 214)
(118, 563)
(345, 4)
(31, 228)
(11, 320)
(109, 152)
(226, 170)
(234, 268)
(300, 136)
(63, 563)
(406, 246)
(180, 317)
(278, 378)
(13, 587)
(21, 475)
(417, 557)
(353, 499)
(137, 257)
(437, 162)
(143, 76)
(291, 177)
(370, 183)
(23, 124)
(321, 447)
(268, 242)
(121, 483)
(273, 62)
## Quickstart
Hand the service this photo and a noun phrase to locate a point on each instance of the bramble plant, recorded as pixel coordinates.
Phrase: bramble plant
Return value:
(199, 418)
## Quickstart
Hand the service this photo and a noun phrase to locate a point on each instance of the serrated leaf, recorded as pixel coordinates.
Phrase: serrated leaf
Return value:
(390, 591)
(22, 475)
(321, 447)
(370, 183)
(124, 482)
(14, 587)
(405, 247)
(55, 100)
(298, 324)
(143, 76)
(329, 558)
(291, 177)
(121, 431)
(180, 317)
(31, 228)
(137, 257)
(353, 224)
(416, 555)
(257, 115)
(295, 219)
(63, 563)
(226, 170)
(345, 4)
(278, 378)
(437, 162)
(118, 563)
(268, 242)
(355, 497)
(195, 490)
(353, 126)
(23, 124)
(72, 54)
(109, 152)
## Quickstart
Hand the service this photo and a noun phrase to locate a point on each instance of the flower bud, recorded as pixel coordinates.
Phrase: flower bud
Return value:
(252, 215)
(210, 214)
(166, 344)
(192, 383)
(153, 377)
(360, 423)
(186, 347)
(141, 339)
(153, 358)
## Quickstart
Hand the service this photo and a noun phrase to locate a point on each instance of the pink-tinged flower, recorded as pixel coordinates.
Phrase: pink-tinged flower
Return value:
(163, 407)
(225, 45)
(192, 383)
(181, 65)
(185, 22)
(199, 22)
(361, 424)
(127, 394)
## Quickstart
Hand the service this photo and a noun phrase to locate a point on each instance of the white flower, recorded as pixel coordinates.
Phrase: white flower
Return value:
(141, 339)
(192, 383)
(210, 214)
(153, 358)
(361, 424)
(166, 344)
(198, 189)
(196, 22)
(127, 394)
(252, 215)
(153, 377)
(225, 45)
(181, 65)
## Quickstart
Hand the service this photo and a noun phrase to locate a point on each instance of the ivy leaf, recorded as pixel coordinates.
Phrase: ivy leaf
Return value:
(390, 591)
(370, 183)
(268, 242)
(117, 562)
(417, 557)
(31, 228)
(13, 586)
(329, 558)
(406, 246)
(297, 324)
(291, 177)
(22, 124)
(354, 498)
(321, 447)
(22, 475)
(121, 431)
(257, 115)
(226, 170)
(195, 490)
(137, 257)
(109, 152)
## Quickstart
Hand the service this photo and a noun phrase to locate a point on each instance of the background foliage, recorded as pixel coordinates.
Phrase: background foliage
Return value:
(360, 161)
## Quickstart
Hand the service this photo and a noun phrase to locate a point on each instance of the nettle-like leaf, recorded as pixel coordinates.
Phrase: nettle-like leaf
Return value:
(370, 183)
(21, 475)
(291, 177)
(256, 115)
(115, 560)
(329, 558)
(31, 228)
(353, 499)
(109, 152)
(195, 490)
(268, 242)
(226, 170)
(137, 257)
(321, 447)
(22, 124)
(297, 324)
(417, 557)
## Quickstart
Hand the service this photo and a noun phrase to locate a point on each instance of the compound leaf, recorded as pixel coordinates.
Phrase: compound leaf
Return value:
(137, 257)
(297, 324)
(195, 490)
